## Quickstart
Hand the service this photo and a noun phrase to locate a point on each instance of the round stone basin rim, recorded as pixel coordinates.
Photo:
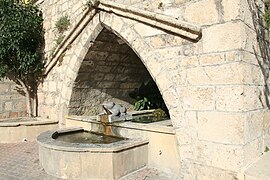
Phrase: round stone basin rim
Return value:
(46, 139)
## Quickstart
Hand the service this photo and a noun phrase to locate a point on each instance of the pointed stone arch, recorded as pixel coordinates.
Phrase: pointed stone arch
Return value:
(154, 61)
(137, 36)
(123, 28)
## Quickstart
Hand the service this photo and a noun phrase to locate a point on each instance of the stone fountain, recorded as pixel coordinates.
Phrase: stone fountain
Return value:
(74, 153)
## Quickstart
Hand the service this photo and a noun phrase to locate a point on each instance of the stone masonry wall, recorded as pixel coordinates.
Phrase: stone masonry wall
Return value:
(52, 11)
(213, 87)
(109, 72)
(12, 103)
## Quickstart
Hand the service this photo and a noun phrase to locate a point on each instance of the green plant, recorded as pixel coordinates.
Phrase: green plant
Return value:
(62, 24)
(147, 96)
(266, 149)
(21, 37)
(91, 3)
(267, 19)
(141, 104)
(159, 113)
(57, 41)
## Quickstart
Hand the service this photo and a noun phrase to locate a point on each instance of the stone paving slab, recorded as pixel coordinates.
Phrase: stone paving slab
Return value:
(19, 161)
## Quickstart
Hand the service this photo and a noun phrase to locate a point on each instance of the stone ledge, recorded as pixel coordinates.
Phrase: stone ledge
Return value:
(163, 127)
(14, 132)
(45, 139)
(161, 21)
(14, 122)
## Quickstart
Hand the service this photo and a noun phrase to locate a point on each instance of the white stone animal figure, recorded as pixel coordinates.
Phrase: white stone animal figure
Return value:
(114, 109)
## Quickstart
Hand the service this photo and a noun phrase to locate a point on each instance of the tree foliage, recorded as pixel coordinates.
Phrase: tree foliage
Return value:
(21, 36)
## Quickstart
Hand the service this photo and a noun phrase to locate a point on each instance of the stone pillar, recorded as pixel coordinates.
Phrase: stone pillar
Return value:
(224, 101)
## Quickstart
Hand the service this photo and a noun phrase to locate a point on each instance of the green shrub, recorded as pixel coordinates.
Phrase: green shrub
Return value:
(159, 113)
(62, 24)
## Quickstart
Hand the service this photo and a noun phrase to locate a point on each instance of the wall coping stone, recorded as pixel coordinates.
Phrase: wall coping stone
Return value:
(158, 20)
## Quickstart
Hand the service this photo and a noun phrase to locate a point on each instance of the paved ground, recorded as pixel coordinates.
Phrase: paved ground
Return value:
(19, 161)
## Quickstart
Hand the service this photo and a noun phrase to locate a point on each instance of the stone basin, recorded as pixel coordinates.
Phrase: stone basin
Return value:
(88, 160)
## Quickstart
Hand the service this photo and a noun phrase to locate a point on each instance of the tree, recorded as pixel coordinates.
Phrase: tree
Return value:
(21, 36)
(261, 23)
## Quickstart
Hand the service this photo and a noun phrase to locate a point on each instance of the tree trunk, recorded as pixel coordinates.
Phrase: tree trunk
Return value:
(35, 102)
(29, 105)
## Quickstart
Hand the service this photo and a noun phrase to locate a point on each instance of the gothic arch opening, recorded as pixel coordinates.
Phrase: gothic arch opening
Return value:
(109, 68)
(111, 71)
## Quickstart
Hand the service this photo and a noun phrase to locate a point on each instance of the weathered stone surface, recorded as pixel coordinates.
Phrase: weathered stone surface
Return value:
(266, 120)
(229, 73)
(260, 169)
(157, 42)
(144, 30)
(220, 74)
(170, 98)
(197, 98)
(202, 12)
(8, 106)
(231, 9)
(212, 173)
(254, 125)
(212, 59)
(177, 117)
(226, 128)
(4, 88)
(189, 61)
(117, 23)
(266, 137)
(239, 98)
(180, 1)
(12, 103)
(184, 137)
(252, 150)
(224, 37)
(229, 157)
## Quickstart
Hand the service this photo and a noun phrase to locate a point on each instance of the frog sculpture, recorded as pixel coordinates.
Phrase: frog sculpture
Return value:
(113, 109)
